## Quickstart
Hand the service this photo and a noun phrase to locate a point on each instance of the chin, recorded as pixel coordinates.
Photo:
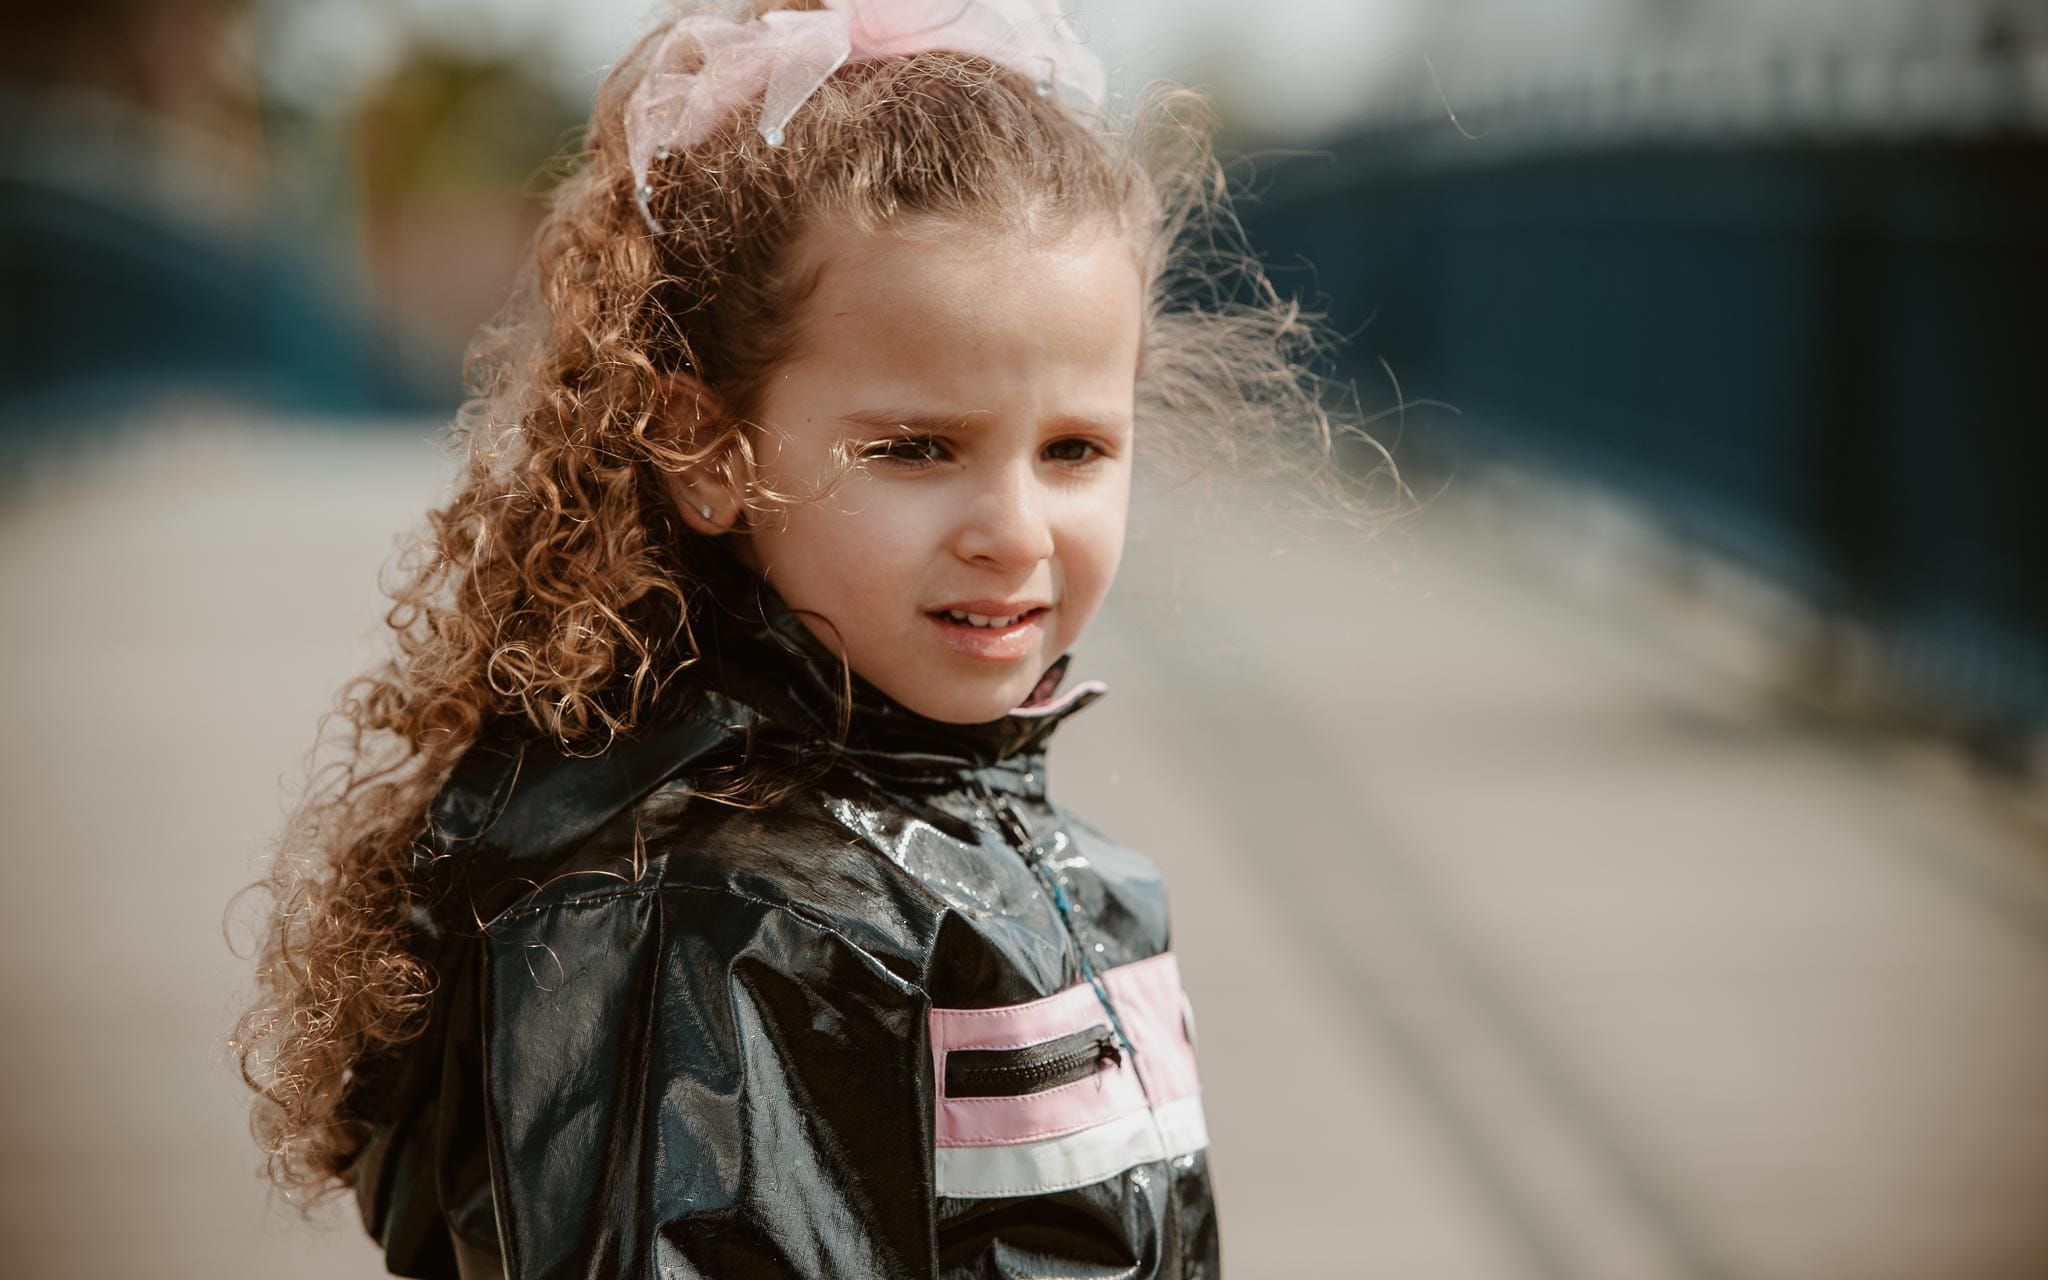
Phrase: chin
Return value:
(971, 706)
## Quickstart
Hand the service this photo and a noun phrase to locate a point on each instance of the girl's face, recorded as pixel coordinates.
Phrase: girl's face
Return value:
(985, 387)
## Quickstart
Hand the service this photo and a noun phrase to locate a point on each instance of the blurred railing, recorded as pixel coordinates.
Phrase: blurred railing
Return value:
(1780, 291)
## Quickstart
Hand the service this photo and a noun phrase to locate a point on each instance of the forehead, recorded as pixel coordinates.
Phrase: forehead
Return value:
(950, 311)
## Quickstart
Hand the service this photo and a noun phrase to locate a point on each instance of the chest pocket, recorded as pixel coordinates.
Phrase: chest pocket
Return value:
(1041, 1096)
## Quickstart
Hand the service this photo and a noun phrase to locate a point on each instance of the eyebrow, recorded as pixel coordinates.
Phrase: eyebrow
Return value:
(914, 421)
(909, 419)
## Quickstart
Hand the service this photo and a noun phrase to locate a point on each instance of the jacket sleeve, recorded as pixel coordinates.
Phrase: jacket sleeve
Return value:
(686, 1082)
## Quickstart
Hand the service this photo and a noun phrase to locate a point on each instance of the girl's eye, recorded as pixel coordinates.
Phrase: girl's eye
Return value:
(914, 450)
(1072, 451)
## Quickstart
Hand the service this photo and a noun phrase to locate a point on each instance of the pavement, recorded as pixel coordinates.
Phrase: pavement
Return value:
(1532, 932)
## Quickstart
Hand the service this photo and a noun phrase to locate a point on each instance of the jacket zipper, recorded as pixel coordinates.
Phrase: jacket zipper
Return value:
(1031, 1068)
(1012, 824)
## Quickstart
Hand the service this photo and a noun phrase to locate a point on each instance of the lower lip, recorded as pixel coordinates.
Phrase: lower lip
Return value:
(992, 644)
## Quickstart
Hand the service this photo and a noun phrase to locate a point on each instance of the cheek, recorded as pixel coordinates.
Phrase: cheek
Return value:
(857, 545)
(1094, 545)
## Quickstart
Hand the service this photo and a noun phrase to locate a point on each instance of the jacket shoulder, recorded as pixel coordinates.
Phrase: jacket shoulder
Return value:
(810, 854)
(516, 807)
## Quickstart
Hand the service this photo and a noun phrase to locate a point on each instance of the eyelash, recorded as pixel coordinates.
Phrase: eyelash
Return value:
(884, 451)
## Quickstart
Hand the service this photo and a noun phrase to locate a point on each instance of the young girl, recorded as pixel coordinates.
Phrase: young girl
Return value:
(686, 898)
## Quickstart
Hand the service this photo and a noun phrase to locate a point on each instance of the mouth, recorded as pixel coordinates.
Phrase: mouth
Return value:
(991, 637)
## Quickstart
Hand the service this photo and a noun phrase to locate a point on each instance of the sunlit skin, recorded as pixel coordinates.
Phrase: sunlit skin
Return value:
(987, 387)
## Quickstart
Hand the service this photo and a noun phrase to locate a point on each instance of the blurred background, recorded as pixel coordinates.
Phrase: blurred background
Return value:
(1660, 886)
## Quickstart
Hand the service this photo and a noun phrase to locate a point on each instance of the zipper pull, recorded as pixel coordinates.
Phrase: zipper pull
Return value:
(1020, 835)
(1014, 827)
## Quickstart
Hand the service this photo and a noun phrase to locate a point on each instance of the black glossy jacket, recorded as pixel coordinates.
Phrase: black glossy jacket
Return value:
(915, 1021)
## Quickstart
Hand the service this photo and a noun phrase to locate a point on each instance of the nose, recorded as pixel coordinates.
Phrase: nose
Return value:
(1007, 525)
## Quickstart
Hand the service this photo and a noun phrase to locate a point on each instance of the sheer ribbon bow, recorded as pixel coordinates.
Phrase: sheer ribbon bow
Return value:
(783, 56)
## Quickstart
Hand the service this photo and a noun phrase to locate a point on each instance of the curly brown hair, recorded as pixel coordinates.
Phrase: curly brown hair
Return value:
(553, 592)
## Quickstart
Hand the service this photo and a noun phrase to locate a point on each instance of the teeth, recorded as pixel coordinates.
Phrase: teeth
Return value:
(981, 619)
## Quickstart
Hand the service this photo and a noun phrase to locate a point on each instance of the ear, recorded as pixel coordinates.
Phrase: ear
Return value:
(708, 493)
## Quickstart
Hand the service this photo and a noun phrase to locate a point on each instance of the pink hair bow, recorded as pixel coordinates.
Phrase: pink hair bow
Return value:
(784, 55)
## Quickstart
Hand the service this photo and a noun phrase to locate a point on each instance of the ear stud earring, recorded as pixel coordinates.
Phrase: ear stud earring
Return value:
(704, 510)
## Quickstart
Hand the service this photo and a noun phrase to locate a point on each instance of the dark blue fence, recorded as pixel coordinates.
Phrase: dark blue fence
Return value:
(1822, 359)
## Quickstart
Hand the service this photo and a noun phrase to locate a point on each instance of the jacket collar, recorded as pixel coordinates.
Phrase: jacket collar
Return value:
(758, 653)
(515, 805)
